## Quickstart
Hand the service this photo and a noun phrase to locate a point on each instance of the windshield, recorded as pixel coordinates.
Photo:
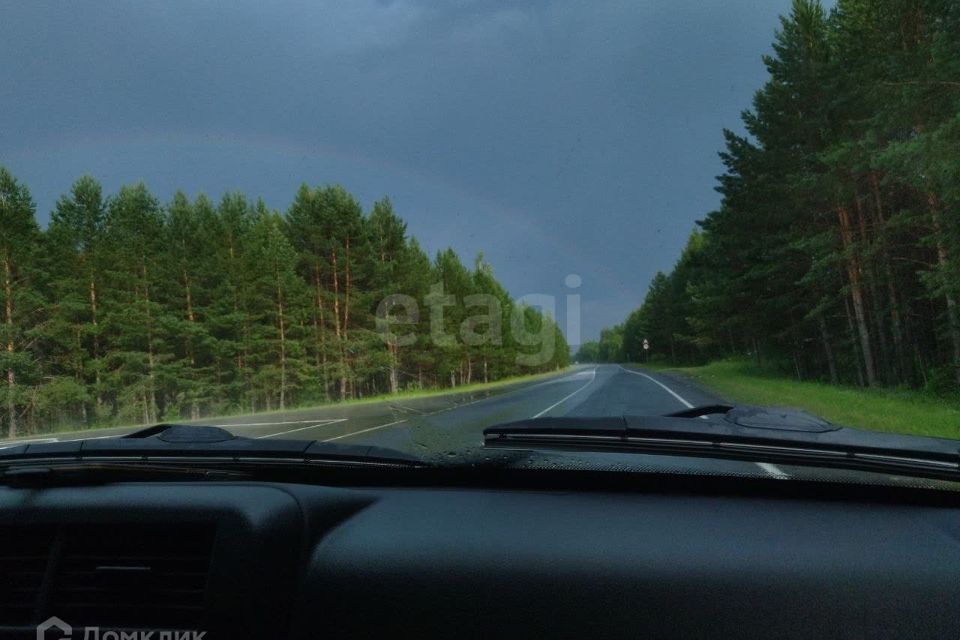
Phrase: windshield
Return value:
(399, 223)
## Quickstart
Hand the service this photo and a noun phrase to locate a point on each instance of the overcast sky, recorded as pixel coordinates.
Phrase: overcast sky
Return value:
(572, 137)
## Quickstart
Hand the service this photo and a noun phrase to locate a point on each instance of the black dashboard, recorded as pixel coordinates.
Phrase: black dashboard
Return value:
(705, 558)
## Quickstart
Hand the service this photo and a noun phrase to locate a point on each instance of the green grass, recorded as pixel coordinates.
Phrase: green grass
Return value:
(410, 394)
(891, 410)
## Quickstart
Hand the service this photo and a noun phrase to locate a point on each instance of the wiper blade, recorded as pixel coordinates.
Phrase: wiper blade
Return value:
(85, 474)
(166, 443)
(745, 433)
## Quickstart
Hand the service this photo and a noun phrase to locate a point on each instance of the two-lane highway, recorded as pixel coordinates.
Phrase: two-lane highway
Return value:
(454, 423)
(601, 390)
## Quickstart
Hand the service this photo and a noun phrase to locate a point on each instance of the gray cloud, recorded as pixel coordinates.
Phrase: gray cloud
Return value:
(557, 137)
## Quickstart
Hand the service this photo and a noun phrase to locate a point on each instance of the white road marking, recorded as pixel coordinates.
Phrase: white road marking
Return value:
(399, 408)
(16, 443)
(356, 433)
(665, 387)
(268, 424)
(771, 469)
(567, 397)
(396, 422)
(310, 423)
(458, 406)
(316, 423)
(452, 407)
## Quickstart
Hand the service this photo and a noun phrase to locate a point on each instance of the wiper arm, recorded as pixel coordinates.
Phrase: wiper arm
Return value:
(702, 410)
(747, 433)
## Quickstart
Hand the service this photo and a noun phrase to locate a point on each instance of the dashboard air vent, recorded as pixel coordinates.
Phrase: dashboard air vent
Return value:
(24, 555)
(133, 576)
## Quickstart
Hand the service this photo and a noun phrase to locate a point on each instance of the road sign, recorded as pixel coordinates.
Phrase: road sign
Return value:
(646, 345)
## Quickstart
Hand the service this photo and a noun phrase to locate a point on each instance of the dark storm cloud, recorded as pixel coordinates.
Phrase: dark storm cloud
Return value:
(563, 137)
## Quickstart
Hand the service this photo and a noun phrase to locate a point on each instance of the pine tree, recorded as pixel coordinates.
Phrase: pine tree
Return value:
(276, 300)
(135, 346)
(124, 310)
(74, 242)
(21, 303)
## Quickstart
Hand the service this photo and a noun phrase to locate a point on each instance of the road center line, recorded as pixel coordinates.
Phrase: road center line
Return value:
(356, 433)
(771, 469)
(422, 415)
(316, 423)
(459, 406)
(268, 424)
(310, 423)
(567, 397)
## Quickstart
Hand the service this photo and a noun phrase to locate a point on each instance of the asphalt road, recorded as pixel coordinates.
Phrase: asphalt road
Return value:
(453, 423)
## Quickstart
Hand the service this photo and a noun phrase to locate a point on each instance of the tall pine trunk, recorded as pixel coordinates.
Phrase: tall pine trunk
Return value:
(11, 375)
(346, 309)
(150, 401)
(852, 335)
(320, 330)
(394, 377)
(188, 294)
(953, 323)
(96, 339)
(896, 322)
(856, 293)
(346, 289)
(868, 266)
(336, 326)
(283, 340)
(828, 349)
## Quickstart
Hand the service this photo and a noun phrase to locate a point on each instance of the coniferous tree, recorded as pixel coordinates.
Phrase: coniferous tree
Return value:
(19, 244)
(125, 310)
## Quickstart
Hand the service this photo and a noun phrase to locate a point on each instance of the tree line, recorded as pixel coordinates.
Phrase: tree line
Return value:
(835, 253)
(126, 310)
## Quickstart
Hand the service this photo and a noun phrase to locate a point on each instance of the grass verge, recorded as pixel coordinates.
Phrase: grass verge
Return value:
(891, 410)
(475, 387)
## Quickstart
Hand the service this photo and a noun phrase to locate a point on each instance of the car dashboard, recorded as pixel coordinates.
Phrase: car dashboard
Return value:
(709, 557)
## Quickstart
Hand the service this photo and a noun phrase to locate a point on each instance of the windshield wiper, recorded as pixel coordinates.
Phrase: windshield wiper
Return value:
(191, 445)
(744, 433)
(87, 473)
